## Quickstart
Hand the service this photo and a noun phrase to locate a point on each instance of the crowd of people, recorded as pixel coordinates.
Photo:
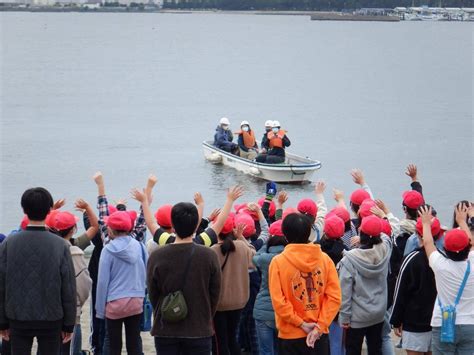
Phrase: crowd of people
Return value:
(257, 277)
(272, 147)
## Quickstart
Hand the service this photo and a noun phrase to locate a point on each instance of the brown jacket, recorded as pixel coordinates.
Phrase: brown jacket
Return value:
(83, 280)
(235, 276)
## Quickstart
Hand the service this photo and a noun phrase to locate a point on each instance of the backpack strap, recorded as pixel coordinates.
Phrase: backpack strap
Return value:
(225, 261)
(193, 248)
(463, 284)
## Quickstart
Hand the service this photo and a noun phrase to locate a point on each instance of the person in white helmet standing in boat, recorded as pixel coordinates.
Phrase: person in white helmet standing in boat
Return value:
(274, 143)
(246, 140)
(223, 137)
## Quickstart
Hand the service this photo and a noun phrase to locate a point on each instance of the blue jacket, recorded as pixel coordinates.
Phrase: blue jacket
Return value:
(263, 309)
(223, 138)
(122, 272)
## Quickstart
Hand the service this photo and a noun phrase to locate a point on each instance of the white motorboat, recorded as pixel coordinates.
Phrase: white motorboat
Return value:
(296, 169)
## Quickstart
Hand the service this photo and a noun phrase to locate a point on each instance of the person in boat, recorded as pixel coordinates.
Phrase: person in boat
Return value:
(223, 137)
(274, 143)
(268, 128)
(247, 143)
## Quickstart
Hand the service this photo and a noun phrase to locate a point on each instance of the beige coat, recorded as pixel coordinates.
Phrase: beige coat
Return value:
(83, 280)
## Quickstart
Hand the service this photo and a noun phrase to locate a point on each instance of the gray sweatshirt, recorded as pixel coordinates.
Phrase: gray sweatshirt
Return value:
(363, 278)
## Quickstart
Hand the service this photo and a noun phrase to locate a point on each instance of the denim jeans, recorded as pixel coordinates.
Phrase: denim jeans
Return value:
(387, 342)
(335, 339)
(267, 335)
(463, 342)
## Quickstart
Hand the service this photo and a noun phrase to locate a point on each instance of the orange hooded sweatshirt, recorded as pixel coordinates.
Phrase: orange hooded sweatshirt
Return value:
(304, 287)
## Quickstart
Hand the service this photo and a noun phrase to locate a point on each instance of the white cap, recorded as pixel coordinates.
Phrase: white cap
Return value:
(224, 120)
(244, 123)
(276, 124)
(269, 123)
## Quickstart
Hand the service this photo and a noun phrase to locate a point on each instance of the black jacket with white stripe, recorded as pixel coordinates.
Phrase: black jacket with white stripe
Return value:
(415, 294)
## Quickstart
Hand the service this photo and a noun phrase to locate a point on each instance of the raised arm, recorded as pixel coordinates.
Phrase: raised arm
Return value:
(381, 210)
(150, 220)
(232, 194)
(461, 214)
(321, 203)
(93, 228)
(199, 201)
(359, 179)
(412, 172)
(339, 198)
(428, 242)
(282, 198)
(102, 204)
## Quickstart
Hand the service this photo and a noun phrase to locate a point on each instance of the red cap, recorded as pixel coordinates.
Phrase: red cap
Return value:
(120, 220)
(435, 227)
(64, 220)
(244, 209)
(272, 210)
(413, 199)
(275, 229)
(112, 209)
(358, 196)
(50, 220)
(288, 211)
(24, 222)
(229, 224)
(163, 216)
(334, 227)
(341, 212)
(364, 209)
(386, 227)
(308, 207)
(372, 226)
(249, 224)
(456, 240)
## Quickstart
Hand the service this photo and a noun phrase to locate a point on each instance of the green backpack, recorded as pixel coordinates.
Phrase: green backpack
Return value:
(174, 308)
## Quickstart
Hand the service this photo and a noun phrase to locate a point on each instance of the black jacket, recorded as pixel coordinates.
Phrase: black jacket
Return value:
(334, 248)
(37, 281)
(415, 294)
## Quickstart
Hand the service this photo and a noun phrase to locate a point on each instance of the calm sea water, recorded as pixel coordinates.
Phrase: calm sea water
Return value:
(130, 94)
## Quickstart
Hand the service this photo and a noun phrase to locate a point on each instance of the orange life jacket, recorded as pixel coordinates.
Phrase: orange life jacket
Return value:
(276, 140)
(249, 138)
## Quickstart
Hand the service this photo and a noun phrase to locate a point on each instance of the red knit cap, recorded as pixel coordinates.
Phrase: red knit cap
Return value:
(119, 220)
(50, 220)
(372, 226)
(413, 199)
(275, 229)
(228, 225)
(249, 224)
(358, 196)
(435, 227)
(163, 216)
(24, 222)
(308, 207)
(334, 227)
(364, 209)
(386, 227)
(64, 220)
(243, 208)
(288, 211)
(341, 212)
(456, 240)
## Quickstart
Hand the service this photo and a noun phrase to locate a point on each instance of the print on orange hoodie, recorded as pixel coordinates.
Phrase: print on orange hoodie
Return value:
(304, 287)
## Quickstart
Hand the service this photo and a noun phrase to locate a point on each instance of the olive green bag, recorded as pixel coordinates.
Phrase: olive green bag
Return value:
(174, 308)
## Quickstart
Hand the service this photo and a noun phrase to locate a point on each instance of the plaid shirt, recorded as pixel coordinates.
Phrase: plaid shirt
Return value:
(138, 232)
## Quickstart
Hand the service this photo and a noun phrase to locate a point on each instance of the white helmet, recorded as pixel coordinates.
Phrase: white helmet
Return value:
(269, 123)
(243, 123)
(224, 120)
(276, 124)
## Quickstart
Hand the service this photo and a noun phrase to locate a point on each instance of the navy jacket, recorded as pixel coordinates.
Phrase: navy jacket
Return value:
(223, 138)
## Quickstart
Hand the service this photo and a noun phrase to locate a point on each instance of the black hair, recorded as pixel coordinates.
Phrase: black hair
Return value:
(185, 219)
(297, 228)
(465, 203)
(228, 245)
(459, 256)
(411, 213)
(367, 242)
(62, 233)
(347, 226)
(275, 241)
(36, 203)
(354, 207)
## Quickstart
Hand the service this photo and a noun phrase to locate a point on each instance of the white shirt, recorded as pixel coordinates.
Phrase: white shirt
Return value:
(449, 275)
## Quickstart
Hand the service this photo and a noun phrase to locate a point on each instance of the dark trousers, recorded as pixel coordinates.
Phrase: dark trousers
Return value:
(5, 348)
(132, 334)
(247, 334)
(97, 326)
(270, 159)
(225, 325)
(183, 346)
(299, 347)
(49, 340)
(355, 337)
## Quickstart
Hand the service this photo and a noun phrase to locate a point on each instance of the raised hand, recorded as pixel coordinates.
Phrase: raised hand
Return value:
(412, 172)
(320, 187)
(461, 213)
(121, 201)
(338, 195)
(376, 210)
(81, 205)
(271, 189)
(254, 207)
(59, 203)
(358, 176)
(282, 197)
(152, 180)
(198, 199)
(98, 178)
(425, 214)
(235, 192)
(138, 195)
(239, 230)
(215, 212)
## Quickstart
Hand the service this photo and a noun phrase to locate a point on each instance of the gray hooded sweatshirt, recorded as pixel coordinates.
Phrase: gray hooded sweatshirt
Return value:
(363, 278)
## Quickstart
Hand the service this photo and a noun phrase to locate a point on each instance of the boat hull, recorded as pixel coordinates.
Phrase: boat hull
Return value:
(297, 169)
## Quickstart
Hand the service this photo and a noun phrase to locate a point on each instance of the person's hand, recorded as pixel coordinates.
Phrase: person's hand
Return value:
(214, 213)
(5, 334)
(320, 187)
(254, 207)
(66, 337)
(412, 171)
(152, 180)
(98, 178)
(307, 327)
(239, 230)
(425, 215)
(59, 203)
(282, 197)
(355, 241)
(138, 195)
(271, 189)
(380, 204)
(121, 201)
(313, 337)
(398, 331)
(235, 192)
(345, 325)
(376, 210)
(338, 195)
(461, 213)
(358, 176)
(81, 205)
(198, 199)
